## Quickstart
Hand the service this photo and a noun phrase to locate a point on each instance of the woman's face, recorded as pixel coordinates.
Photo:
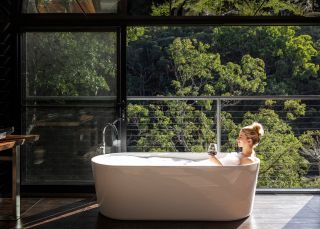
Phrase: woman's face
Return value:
(243, 141)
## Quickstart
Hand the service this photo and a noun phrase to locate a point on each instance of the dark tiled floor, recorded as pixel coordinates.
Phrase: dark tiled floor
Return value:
(270, 211)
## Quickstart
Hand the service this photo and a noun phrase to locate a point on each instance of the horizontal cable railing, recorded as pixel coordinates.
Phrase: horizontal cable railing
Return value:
(164, 123)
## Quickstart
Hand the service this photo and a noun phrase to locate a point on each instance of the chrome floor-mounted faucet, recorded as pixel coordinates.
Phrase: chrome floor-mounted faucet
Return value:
(115, 133)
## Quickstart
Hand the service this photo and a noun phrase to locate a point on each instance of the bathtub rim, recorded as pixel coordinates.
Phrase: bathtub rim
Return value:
(94, 160)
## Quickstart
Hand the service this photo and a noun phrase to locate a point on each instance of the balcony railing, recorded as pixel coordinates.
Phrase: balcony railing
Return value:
(289, 151)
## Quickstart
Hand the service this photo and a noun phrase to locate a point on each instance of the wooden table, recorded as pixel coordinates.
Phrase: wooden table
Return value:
(14, 142)
(6, 145)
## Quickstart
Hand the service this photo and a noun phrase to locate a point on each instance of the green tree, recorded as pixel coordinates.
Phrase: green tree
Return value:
(231, 7)
(311, 151)
(268, 7)
(71, 64)
(289, 57)
(188, 7)
(169, 126)
(294, 109)
(200, 72)
(134, 33)
(311, 146)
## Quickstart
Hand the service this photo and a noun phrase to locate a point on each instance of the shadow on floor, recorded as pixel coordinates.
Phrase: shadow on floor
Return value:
(309, 213)
(104, 222)
(85, 214)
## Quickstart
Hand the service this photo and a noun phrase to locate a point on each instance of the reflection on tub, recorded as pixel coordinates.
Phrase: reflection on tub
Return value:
(171, 186)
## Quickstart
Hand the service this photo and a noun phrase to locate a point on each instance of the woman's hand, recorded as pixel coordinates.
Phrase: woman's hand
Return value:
(214, 160)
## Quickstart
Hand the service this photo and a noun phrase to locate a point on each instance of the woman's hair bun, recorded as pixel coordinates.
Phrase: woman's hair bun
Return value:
(258, 128)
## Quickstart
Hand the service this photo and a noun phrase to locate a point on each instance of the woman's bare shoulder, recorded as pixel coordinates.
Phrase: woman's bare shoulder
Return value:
(246, 161)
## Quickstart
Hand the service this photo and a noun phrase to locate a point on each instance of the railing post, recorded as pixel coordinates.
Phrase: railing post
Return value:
(218, 121)
(122, 86)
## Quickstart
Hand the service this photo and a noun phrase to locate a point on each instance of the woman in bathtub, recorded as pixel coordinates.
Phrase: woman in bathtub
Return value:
(249, 137)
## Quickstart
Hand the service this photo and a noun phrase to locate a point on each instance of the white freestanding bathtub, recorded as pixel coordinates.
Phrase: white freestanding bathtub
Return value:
(173, 192)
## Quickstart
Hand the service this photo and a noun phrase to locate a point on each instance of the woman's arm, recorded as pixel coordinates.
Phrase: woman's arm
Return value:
(214, 160)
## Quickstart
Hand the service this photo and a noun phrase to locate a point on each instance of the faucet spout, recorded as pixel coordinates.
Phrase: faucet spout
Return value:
(114, 132)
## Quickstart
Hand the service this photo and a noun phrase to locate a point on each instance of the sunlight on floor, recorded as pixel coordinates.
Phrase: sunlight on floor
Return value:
(59, 216)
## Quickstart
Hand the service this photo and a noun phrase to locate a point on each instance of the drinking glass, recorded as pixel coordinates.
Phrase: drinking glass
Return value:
(212, 149)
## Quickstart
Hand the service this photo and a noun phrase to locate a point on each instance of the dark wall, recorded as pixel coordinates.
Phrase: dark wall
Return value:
(9, 93)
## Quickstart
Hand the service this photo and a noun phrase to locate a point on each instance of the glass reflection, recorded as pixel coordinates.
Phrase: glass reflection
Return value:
(72, 6)
(224, 8)
(70, 94)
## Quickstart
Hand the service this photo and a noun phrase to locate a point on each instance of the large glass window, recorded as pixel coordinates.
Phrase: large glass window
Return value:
(70, 89)
(223, 61)
(187, 86)
(256, 65)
